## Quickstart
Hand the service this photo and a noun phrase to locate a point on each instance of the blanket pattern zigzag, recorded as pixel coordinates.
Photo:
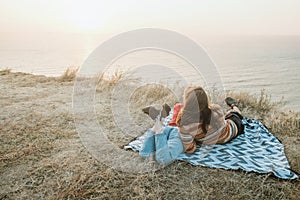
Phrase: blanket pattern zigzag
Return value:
(256, 150)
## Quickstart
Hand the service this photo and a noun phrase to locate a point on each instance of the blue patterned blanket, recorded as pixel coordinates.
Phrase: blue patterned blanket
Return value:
(257, 150)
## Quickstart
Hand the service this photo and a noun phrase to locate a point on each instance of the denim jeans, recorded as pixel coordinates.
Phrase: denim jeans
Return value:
(166, 146)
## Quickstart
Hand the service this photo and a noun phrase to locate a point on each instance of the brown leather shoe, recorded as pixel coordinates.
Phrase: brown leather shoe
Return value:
(231, 102)
(153, 112)
(165, 111)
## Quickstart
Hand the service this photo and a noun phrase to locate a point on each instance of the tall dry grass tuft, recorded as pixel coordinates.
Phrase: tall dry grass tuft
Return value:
(5, 71)
(106, 81)
(69, 75)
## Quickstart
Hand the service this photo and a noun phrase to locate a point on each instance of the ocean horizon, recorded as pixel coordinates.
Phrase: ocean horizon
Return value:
(245, 63)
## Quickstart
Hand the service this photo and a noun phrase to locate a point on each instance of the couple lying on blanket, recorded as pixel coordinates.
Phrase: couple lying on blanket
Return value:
(194, 121)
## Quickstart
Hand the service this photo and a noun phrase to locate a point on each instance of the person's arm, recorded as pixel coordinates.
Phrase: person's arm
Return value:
(188, 142)
(168, 145)
(176, 110)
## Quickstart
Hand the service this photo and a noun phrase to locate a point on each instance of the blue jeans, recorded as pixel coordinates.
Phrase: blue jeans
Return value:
(166, 146)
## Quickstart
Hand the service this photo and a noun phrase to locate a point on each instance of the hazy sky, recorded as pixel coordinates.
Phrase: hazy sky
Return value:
(262, 17)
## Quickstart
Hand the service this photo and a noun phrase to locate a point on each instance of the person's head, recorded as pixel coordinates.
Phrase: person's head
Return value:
(196, 107)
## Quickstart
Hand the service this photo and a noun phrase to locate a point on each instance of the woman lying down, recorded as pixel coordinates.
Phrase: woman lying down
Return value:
(196, 121)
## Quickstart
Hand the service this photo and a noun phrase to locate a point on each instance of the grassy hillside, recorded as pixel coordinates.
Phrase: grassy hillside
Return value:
(42, 157)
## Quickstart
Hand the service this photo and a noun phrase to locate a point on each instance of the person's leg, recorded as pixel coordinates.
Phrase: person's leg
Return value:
(148, 147)
(232, 103)
(234, 109)
(234, 114)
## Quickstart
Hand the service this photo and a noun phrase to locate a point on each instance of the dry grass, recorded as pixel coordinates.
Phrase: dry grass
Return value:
(118, 76)
(256, 106)
(42, 157)
(69, 75)
(5, 71)
(270, 113)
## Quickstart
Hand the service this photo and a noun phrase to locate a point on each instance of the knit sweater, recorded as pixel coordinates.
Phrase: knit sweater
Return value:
(219, 131)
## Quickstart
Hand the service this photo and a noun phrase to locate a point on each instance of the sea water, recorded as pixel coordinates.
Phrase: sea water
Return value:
(244, 63)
